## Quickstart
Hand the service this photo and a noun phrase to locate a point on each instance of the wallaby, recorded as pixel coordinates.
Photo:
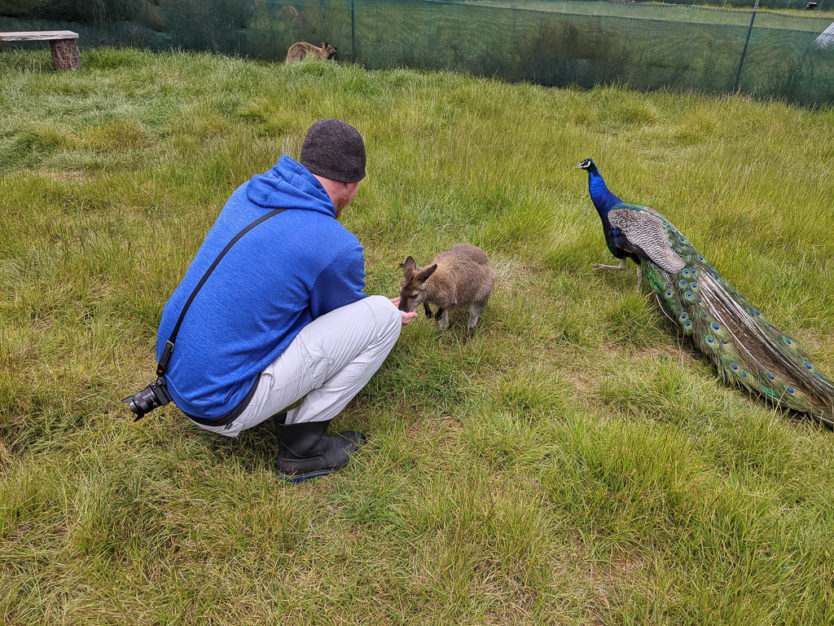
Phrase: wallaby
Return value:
(459, 276)
(301, 49)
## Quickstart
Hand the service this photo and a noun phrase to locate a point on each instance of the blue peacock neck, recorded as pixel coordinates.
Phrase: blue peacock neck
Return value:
(602, 198)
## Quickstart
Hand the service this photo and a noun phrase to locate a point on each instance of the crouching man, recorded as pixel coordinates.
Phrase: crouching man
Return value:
(282, 316)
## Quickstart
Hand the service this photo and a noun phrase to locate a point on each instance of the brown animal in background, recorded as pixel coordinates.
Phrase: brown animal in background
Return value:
(301, 49)
(288, 11)
(457, 277)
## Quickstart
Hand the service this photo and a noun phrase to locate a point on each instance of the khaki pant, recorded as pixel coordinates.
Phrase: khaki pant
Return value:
(327, 364)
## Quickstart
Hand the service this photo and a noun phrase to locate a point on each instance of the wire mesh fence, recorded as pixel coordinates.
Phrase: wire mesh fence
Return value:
(674, 45)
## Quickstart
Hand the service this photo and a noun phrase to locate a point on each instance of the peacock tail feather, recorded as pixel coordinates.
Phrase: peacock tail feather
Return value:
(745, 347)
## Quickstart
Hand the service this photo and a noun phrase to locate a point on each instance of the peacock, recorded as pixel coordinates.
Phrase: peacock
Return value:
(745, 347)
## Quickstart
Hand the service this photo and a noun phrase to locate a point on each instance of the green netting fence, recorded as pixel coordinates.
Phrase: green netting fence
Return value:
(712, 49)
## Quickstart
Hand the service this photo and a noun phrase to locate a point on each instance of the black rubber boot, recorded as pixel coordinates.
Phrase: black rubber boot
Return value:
(305, 452)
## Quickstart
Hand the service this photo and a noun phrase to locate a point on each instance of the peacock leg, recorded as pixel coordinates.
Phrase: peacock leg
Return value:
(621, 266)
(639, 276)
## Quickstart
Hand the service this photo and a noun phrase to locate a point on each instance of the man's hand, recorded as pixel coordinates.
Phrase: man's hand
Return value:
(407, 317)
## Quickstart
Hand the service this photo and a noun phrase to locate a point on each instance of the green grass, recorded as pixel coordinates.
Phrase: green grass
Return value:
(796, 19)
(576, 462)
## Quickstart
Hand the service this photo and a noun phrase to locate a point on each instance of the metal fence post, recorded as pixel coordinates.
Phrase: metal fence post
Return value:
(353, 30)
(746, 41)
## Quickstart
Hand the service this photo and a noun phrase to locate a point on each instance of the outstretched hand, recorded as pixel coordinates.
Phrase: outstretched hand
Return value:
(406, 317)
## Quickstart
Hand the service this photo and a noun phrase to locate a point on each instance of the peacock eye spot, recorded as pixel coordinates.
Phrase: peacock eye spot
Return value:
(716, 327)
(788, 341)
(809, 366)
(771, 376)
(669, 294)
(735, 368)
(791, 390)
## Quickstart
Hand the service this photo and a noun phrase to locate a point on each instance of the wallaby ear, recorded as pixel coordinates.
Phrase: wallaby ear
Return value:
(409, 267)
(426, 272)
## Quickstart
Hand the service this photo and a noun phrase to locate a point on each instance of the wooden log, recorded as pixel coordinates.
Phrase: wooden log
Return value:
(65, 54)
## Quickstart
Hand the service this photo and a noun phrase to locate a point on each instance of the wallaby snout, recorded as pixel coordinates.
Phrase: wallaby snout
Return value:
(460, 276)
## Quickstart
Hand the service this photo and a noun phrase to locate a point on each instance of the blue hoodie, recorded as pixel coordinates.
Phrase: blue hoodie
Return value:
(276, 279)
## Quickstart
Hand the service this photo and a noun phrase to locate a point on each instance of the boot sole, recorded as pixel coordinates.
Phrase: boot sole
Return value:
(301, 477)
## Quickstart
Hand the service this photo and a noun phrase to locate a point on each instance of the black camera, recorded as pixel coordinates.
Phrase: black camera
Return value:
(154, 395)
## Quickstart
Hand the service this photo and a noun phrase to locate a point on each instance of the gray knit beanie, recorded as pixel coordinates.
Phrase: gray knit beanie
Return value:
(334, 149)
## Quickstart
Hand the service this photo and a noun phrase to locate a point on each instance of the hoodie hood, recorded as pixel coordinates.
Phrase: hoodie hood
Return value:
(289, 183)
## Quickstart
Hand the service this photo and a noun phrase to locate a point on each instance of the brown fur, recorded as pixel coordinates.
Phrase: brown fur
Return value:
(460, 276)
(301, 49)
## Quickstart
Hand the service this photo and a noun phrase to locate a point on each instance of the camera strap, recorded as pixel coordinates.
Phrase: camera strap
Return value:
(169, 344)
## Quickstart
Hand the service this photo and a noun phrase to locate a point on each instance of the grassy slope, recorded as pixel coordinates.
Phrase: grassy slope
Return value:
(813, 21)
(575, 462)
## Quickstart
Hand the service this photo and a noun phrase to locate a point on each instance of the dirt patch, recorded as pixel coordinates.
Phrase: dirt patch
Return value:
(511, 273)
(67, 176)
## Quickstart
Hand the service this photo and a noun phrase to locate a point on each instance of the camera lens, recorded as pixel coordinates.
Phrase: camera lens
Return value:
(143, 401)
(152, 396)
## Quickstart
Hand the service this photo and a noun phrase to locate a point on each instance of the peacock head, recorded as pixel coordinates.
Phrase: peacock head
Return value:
(603, 199)
(587, 164)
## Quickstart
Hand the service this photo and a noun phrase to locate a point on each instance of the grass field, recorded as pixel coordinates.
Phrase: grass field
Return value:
(812, 21)
(576, 462)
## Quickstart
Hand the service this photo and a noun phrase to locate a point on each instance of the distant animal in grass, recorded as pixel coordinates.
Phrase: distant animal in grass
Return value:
(303, 49)
(460, 276)
(288, 12)
(745, 347)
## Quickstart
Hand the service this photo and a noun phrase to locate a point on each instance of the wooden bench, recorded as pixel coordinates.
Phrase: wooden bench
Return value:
(64, 45)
